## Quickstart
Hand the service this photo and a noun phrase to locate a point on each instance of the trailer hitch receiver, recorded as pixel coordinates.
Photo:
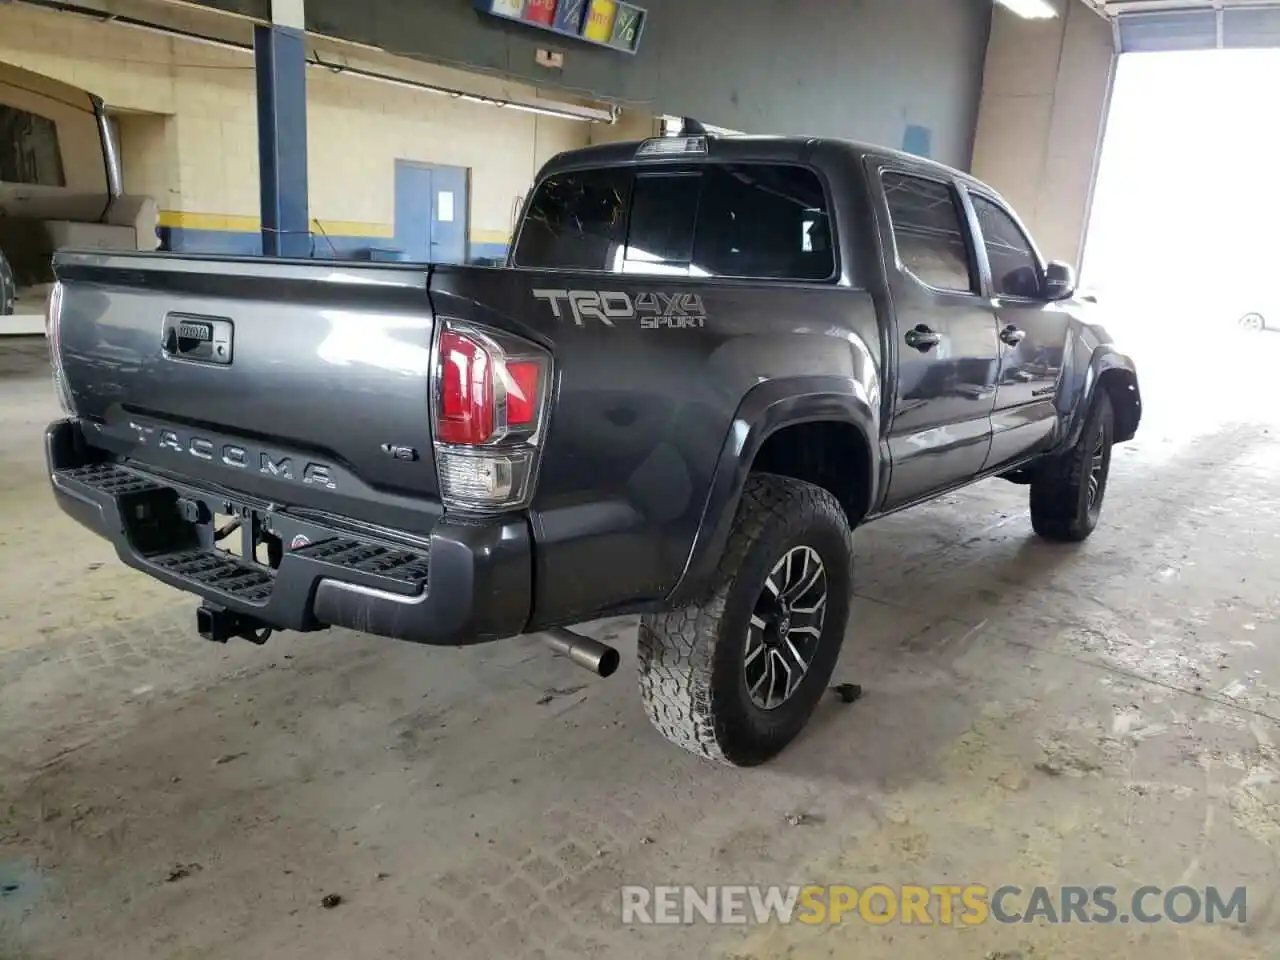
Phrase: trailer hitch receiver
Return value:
(219, 625)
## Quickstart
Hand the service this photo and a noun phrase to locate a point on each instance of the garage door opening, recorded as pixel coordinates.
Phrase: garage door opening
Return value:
(1182, 230)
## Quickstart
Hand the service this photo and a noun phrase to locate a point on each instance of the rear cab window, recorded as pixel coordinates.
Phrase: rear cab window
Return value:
(754, 220)
(577, 221)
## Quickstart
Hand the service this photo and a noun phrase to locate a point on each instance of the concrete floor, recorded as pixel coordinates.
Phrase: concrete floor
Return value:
(1034, 714)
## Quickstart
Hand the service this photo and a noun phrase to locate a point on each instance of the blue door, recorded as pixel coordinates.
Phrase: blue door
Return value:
(431, 212)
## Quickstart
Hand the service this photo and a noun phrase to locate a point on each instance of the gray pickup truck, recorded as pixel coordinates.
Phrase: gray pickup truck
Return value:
(707, 362)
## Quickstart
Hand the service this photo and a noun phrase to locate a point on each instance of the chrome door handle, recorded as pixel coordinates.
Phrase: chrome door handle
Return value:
(922, 338)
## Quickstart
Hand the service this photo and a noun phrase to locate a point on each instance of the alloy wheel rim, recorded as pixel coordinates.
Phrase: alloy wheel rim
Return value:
(785, 628)
(1096, 468)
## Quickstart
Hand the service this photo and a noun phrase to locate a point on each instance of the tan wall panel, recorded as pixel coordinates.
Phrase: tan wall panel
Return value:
(1046, 90)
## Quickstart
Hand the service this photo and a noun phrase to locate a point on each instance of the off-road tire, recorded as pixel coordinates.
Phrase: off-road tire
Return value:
(1060, 504)
(8, 287)
(692, 673)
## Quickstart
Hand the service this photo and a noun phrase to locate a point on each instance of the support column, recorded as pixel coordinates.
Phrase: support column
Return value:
(281, 68)
(1045, 96)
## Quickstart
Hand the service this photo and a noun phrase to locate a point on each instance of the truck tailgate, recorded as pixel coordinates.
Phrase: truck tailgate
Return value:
(299, 382)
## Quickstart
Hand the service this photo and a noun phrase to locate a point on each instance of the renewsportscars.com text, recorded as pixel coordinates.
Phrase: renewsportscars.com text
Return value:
(936, 905)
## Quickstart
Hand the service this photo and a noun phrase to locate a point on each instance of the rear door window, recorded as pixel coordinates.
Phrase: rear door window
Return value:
(929, 233)
(753, 221)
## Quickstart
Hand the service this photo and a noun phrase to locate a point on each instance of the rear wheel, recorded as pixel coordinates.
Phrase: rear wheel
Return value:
(1067, 492)
(1252, 323)
(736, 678)
(8, 287)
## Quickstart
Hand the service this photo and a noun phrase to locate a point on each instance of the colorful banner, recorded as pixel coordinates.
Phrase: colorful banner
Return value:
(617, 24)
(541, 12)
(626, 27)
(569, 16)
(507, 8)
(600, 16)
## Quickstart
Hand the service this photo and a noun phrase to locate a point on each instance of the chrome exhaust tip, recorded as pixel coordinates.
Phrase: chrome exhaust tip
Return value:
(599, 658)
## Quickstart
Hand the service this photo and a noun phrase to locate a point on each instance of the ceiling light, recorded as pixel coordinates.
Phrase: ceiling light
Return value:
(1030, 9)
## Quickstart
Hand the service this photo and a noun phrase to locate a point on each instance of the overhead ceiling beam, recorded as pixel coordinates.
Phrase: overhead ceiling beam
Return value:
(1097, 6)
(1121, 7)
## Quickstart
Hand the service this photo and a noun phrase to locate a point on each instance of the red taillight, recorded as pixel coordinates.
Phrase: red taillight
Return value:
(491, 392)
(490, 401)
(484, 396)
(466, 391)
(522, 392)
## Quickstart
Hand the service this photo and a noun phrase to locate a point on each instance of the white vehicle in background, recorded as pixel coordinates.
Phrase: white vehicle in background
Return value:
(60, 183)
(1255, 321)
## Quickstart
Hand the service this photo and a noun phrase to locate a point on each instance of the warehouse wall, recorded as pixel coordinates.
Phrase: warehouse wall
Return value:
(188, 130)
(149, 154)
(1046, 93)
(631, 125)
(896, 72)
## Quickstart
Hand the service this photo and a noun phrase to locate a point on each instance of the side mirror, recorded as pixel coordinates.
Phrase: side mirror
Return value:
(1059, 280)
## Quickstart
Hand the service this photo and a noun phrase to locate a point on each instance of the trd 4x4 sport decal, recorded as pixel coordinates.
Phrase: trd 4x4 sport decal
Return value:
(655, 311)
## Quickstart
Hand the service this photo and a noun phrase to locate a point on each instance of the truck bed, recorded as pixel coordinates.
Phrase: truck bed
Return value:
(324, 363)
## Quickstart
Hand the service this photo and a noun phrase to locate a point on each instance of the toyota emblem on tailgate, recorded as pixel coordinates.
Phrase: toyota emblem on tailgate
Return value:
(195, 331)
(196, 339)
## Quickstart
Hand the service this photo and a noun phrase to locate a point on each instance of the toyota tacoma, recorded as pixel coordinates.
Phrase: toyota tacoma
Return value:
(706, 362)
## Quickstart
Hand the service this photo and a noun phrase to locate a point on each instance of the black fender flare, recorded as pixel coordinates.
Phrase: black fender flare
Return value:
(1104, 361)
(767, 408)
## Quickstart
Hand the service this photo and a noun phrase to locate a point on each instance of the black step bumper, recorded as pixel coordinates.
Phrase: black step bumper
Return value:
(470, 583)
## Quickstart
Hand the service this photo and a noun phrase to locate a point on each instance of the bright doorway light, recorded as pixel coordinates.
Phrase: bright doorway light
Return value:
(1030, 9)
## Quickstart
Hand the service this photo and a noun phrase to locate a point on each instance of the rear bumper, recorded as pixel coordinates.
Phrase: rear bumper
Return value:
(469, 584)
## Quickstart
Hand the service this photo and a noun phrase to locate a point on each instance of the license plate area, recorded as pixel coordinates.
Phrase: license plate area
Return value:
(156, 521)
(247, 534)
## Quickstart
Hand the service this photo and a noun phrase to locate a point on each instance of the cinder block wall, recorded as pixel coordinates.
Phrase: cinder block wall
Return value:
(188, 128)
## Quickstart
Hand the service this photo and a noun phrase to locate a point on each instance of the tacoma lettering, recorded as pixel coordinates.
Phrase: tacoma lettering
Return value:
(232, 455)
